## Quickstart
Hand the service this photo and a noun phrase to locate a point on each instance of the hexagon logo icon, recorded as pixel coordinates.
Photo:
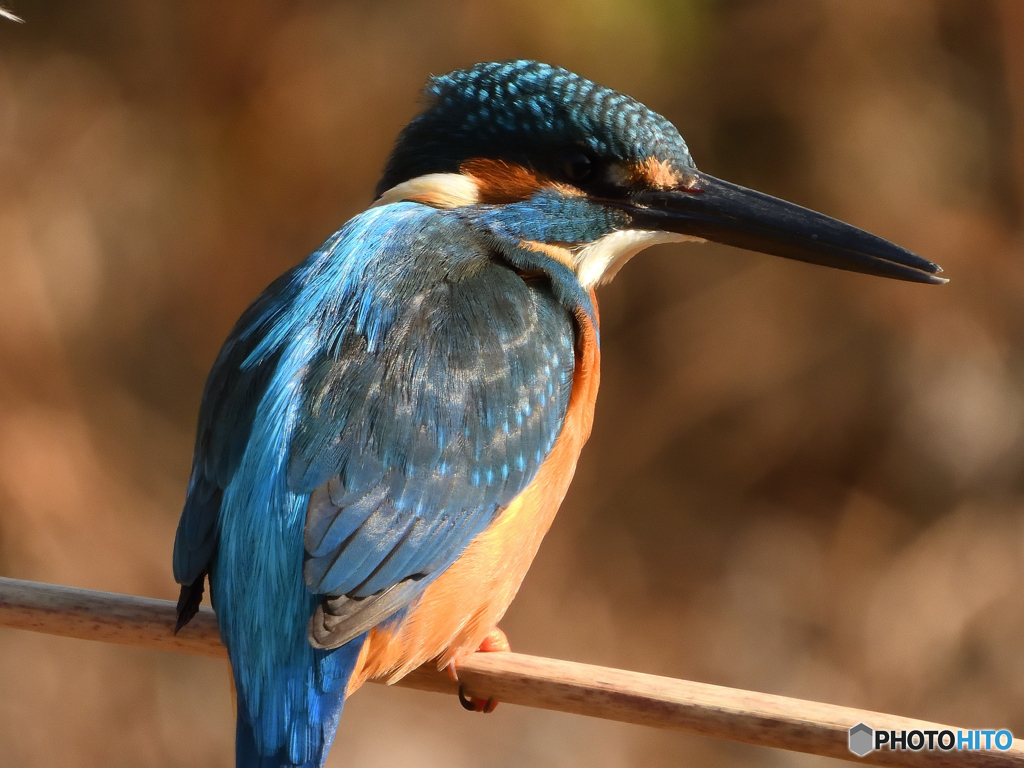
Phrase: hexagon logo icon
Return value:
(862, 739)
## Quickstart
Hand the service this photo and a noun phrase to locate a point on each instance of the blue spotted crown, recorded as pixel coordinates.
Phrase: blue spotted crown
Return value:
(523, 111)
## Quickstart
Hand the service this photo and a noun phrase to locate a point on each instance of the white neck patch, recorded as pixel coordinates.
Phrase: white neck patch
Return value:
(598, 262)
(440, 190)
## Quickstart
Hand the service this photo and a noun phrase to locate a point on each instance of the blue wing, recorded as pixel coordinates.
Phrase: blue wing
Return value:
(430, 409)
(369, 415)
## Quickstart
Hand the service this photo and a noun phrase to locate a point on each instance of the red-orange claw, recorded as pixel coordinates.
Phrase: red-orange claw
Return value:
(495, 642)
(472, 704)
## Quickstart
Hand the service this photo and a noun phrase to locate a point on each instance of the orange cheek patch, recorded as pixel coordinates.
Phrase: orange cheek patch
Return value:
(656, 173)
(500, 183)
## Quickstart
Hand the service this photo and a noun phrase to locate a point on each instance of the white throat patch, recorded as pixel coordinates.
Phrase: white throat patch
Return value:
(598, 262)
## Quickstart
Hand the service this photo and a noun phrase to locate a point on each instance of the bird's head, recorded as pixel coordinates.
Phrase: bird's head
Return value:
(557, 162)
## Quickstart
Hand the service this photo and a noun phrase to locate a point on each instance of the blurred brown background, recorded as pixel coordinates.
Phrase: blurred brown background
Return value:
(801, 481)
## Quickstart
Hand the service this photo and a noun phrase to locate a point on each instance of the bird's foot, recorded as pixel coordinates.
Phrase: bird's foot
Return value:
(495, 642)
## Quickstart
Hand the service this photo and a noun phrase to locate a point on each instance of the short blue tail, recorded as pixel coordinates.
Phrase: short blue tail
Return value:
(310, 733)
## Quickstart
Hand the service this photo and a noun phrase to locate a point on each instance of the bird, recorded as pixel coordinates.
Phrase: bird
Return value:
(389, 429)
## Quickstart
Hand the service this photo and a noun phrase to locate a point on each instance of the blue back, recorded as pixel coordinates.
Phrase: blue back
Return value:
(369, 414)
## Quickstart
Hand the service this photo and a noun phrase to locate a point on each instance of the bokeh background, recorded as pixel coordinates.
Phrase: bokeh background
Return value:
(801, 481)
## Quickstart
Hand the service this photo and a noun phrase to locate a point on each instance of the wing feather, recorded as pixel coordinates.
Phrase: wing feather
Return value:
(436, 384)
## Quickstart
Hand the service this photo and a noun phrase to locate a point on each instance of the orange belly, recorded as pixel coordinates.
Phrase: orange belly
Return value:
(457, 611)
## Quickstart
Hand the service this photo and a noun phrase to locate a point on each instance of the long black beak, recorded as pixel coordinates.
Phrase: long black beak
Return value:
(727, 213)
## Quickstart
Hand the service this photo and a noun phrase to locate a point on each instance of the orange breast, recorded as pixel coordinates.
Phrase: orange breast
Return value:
(457, 611)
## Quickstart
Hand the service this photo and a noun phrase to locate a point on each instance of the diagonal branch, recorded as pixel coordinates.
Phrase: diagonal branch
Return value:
(612, 694)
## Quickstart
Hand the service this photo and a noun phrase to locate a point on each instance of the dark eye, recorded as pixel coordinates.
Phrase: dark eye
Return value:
(576, 166)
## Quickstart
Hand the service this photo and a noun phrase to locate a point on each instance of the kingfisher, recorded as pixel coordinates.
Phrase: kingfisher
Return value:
(391, 426)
